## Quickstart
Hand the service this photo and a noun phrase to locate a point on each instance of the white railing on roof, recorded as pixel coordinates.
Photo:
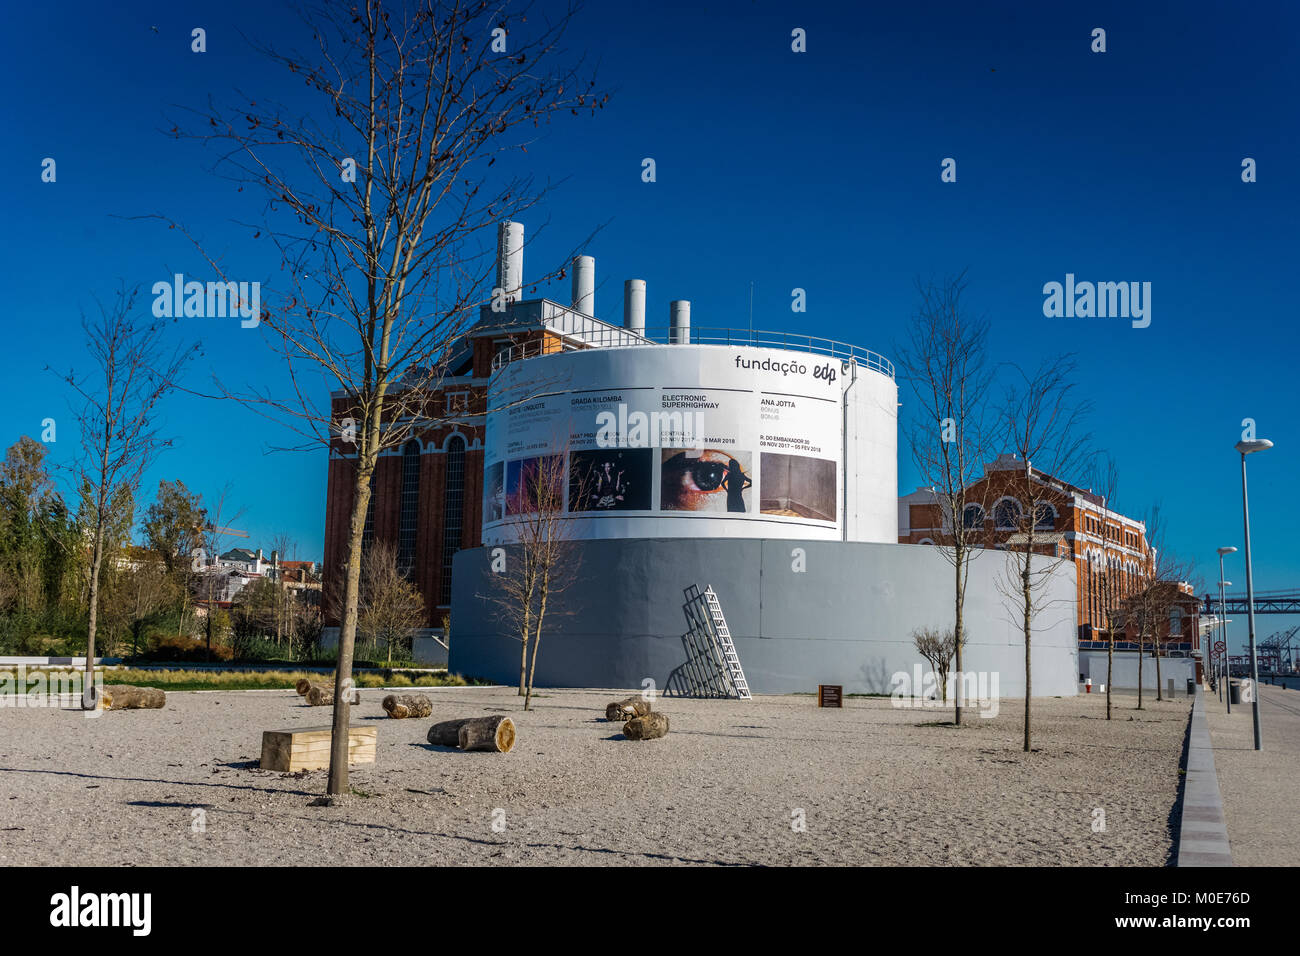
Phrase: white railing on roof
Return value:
(580, 331)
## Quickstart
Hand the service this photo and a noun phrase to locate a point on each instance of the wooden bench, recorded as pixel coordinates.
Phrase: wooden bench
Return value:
(308, 748)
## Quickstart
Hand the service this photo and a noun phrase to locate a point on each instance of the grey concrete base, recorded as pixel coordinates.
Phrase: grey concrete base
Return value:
(1202, 833)
(802, 613)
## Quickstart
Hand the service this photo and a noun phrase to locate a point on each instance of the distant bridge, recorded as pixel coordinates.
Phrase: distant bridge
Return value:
(1266, 602)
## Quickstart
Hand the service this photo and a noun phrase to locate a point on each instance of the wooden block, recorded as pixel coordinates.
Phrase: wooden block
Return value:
(308, 748)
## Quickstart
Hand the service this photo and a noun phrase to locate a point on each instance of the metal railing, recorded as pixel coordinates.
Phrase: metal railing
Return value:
(593, 334)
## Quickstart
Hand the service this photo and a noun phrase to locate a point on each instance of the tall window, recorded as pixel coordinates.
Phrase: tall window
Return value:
(1007, 514)
(409, 525)
(453, 512)
(1045, 519)
(368, 531)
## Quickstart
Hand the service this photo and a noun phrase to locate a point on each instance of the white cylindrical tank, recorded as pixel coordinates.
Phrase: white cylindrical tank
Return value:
(584, 284)
(679, 322)
(697, 441)
(510, 260)
(634, 306)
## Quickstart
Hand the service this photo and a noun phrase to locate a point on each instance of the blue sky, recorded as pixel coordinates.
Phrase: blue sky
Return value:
(816, 170)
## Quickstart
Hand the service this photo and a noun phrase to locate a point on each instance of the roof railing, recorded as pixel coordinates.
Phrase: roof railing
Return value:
(599, 335)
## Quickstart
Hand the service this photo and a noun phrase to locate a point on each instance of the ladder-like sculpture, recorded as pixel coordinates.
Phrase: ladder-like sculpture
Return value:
(712, 667)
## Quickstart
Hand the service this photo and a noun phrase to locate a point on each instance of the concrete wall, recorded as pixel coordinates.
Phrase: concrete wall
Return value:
(847, 619)
(1092, 664)
(424, 648)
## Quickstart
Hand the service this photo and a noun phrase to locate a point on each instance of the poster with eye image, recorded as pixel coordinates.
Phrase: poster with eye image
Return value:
(705, 480)
(494, 488)
(798, 487)
(610, 479)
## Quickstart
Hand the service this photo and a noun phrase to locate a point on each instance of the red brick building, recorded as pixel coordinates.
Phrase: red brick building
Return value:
(1108, 549)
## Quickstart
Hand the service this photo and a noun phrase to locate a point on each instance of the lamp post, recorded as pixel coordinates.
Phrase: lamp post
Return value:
(1249, 448)
(1223, 624)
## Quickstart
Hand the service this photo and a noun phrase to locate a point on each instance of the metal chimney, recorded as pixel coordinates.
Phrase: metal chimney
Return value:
(584, 285)
(634, 306)
(510, 259)
(679, 330)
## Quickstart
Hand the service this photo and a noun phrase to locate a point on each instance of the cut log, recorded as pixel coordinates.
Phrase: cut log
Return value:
(130, 697)
(399, 706)
(447, 732)
(495, 733)
(647, 727)
(627, 709)
(302, 686)
(318, 695)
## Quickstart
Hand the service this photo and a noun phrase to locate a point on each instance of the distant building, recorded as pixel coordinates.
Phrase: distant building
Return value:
(1108, 549)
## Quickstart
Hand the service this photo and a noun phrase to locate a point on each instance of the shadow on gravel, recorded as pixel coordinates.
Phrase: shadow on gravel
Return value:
(178, 783)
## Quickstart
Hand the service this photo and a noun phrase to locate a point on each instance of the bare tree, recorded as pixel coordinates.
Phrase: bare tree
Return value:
(379, 210)
(543, 562)
(1042, 419)
(1110, 593)
(118, 422)
(214, 535)
(953, 433)
(937, 646)
(390, 607)
(1157, 593)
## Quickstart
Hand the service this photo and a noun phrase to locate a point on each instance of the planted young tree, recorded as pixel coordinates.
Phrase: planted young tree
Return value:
(381, 206)
(953, 433)
(1042, 419)
(543, 561)
(1157, 593)
(1109, 594)
(390, 607)
(117, 421)
(937, 646)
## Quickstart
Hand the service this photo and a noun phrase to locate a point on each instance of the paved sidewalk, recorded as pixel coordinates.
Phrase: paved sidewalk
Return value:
(1261, 791)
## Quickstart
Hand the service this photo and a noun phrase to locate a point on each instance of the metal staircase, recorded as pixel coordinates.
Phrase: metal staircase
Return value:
(712, 667)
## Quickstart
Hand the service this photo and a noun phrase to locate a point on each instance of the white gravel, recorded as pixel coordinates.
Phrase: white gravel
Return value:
(874, 784)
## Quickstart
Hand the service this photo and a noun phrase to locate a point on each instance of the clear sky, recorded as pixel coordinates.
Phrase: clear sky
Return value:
(817, 170)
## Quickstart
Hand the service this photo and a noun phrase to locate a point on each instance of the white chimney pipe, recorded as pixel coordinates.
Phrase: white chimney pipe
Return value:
(634, 306)
(679, 331)
(584, 285)
(510, 260)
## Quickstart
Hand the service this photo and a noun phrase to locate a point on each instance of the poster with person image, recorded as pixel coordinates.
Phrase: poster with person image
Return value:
(494, 487)
(705, 479)
(610, 479)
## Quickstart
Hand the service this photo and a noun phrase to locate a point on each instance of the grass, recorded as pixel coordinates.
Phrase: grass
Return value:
(234, 679)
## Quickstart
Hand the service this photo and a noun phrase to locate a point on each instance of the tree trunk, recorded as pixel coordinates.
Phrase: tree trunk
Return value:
(1156, 640)
(338, 775)
(1141, 654)
(647, 727)
(496, 733)
(537, 638)
(130, 697)
(1110, 666)
(407, 705)
(1027, 593)
(97, 557)
(960, 595)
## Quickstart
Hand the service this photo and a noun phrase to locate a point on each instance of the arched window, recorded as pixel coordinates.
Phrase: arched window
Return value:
(453, 512)
(925, 541)
(1045, 517)
(1007, 514)
(972, 516)
(409, 525)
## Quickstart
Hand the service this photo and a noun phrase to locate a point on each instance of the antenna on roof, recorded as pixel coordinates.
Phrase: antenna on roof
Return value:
(751, 310)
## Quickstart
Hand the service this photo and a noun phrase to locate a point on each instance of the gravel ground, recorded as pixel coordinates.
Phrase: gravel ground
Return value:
(729, 785)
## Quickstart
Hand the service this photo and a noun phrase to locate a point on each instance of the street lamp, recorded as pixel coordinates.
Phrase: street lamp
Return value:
(1223, 625)
(1249, 448)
